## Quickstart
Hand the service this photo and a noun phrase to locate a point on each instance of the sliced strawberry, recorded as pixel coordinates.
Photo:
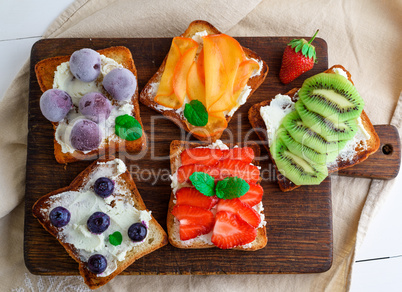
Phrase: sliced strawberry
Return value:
(244, 170)
(192, 197)
(231, 231)
(185, 171)
(246, 212)
(194, 221)
(204, 156)
(245, 154)
(253, 196)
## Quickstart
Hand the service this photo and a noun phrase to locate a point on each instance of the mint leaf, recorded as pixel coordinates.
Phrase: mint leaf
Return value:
(128, 128)
(204, 183)
(231, 187)
(115, 238)
(196, 113)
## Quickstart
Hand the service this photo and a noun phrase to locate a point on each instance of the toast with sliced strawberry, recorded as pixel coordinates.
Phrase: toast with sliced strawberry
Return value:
(199, 216)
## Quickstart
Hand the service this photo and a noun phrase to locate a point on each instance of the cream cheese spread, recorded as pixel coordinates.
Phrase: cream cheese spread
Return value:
(240, 100)
(64, 80)
(206, 238)
(119, 206)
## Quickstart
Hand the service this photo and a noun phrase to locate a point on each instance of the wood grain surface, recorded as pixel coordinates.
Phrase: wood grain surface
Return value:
(299, 223)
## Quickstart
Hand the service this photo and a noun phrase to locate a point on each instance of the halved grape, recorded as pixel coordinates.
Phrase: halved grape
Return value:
(120, 83)
(95, 106)
(85, 64)
(55, 104)
(85, 135)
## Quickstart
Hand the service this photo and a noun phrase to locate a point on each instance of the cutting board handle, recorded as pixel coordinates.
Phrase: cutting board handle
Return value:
(385, 163)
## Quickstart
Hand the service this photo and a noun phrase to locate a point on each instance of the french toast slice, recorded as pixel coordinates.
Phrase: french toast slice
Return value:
(125, 194)
(45, 71)
(361, 153)
(176, 148)
(148, 93)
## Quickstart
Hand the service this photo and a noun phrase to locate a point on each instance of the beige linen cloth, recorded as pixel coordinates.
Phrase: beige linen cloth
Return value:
(364, 36)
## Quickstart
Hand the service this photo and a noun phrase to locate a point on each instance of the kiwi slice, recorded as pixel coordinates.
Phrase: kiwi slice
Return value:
(331, 94)
(307, 137)
(303, 151)
(295, 168)
(329, 129)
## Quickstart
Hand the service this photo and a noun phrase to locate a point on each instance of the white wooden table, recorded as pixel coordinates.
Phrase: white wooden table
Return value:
(379, 261)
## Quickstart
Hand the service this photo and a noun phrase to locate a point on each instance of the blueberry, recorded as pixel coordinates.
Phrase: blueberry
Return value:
(104, 187)
(95, 107)
(137, 232)
(98, 222)
(85, 135)
(97, 263)
(59, 216)
(55, 104)
(120, 83)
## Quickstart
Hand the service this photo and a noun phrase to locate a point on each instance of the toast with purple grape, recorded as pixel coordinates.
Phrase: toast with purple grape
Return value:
(100, 137)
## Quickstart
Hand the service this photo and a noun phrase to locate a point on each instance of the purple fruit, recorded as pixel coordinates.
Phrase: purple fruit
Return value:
(85, 135)
(137, 232)
(95, 106)
(85, 65)
(120, 83)
(104, 187)
(97, 263)
(55, 104)
(98, 222)
(59, 216)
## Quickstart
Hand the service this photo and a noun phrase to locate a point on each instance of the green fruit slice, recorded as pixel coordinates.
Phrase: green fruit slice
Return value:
(331, 95)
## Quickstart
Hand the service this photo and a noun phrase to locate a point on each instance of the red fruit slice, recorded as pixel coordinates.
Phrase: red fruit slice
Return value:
(194, 221)
(184, 172)
(231, 231)
(192, 197)
(235, 206)
(245, 154)
(244, 170)
(253, 196)
(205, 156)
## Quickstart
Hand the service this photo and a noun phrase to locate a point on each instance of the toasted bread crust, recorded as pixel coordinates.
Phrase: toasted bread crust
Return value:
(44, 71)
(91, 279)
(147, 95)
(260, 128)
(176, 147)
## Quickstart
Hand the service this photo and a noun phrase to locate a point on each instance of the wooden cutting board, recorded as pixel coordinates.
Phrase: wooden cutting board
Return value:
(299, 223)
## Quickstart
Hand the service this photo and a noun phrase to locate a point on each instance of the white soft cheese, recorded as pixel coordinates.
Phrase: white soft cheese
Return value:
(85, 202)
(340, 72)
(206, 238)
(274, 113)
(64, 80)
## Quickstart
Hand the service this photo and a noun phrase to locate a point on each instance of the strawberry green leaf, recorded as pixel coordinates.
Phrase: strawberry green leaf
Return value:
(196, 113)
(231, 187)
(115, 238)
(305, 49)
(204, 183)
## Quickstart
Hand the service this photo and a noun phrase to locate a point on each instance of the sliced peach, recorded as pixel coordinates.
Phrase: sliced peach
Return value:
(180, 73)
(246, 68)
(195, 87)
(200, 66)
(216, 78)
(216, 124)
(165, 95)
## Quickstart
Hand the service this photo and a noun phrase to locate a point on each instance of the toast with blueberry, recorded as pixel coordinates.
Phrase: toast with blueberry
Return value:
(101, 221)
(92, 112)
(202, 213)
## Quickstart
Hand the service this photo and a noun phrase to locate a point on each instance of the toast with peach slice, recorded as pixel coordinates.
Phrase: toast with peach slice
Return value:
(207, 66)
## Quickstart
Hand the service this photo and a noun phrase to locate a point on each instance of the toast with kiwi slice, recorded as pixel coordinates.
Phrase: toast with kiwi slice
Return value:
(45, 71)
(124, 206)
(337, 145)
(196, 30)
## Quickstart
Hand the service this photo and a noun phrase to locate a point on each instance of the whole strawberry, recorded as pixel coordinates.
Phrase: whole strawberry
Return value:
(298, 57)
